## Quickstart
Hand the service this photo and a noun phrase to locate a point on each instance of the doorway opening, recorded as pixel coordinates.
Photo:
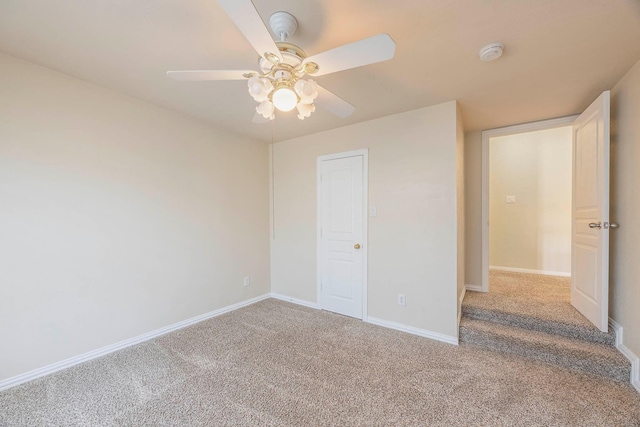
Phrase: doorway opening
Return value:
(530, 202)
(533, 310)
(530, 197)
(526, 191)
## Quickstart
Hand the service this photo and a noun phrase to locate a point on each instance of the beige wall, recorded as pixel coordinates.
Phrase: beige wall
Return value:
(116, 217)
(412, 241)
(460, 205)
(535, 232)
(625, 207)
(473, 208)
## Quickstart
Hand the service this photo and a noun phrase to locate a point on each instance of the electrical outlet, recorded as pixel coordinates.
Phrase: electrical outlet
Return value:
(402, 300)
(247, 281)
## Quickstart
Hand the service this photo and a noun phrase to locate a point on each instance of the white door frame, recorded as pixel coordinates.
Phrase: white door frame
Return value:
(486, 136)
(364, 153)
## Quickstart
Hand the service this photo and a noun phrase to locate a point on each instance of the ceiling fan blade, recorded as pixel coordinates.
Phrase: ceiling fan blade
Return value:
(364, 52)
(259, 119)
(333, 103)
(200, 75)
(244, 14)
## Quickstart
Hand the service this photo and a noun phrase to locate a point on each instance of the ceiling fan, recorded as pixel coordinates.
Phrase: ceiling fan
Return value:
(279, 83)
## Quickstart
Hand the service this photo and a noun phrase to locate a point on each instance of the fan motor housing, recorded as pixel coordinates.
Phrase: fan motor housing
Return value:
(292, 55)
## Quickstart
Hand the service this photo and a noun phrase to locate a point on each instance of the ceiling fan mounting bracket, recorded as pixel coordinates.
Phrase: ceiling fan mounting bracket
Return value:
(283, 25)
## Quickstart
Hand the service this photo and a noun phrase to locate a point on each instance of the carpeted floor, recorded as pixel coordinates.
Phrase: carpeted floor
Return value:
(547, 297)
(279, 364)
(531, 315)
(539, 302)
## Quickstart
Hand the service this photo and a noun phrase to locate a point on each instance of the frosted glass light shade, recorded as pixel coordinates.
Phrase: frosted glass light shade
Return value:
(265, 109)
(307, 90)
(284, 99)
(305, 110)
(259, 88)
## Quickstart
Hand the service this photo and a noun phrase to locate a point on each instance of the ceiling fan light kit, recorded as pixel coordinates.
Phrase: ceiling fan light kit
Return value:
(280, 84)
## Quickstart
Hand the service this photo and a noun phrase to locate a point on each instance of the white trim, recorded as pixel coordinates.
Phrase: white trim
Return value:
(486, 136)
(364, 152)
(302, 302)
(67, 363)
(411, 330)
(528, 270)
(464, 292)
(635, 361)
(380, 322)
(474, 288)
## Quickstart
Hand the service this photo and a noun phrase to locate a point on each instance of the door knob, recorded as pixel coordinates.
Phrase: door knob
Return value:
(595, 225)
(356, 246)
(613, 225)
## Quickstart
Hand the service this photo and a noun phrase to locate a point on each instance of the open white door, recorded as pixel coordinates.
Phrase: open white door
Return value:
(590, 218)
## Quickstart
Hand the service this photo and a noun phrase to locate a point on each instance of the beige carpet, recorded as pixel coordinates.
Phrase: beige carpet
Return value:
(532, 294)
(278, 364)
(535, 302)
(530, 315)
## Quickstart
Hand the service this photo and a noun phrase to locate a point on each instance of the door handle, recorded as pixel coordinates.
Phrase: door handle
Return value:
(595, 225)
(356, 246)
(611, 225)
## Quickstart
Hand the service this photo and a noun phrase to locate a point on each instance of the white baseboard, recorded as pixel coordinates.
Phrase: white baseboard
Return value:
(474, 288)
(67, 363)
(296, 301)
(527, 270)
(411, 330)
(635, 361)
(380, 322)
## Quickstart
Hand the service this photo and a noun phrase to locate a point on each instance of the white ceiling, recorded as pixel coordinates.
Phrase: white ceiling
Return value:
(559, 54)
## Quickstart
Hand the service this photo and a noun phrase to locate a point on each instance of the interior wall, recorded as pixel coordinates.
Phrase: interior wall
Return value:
(460, 206)
(473, 208)
(534, 233)
(625, 206)
(412, 240)
(117, 217)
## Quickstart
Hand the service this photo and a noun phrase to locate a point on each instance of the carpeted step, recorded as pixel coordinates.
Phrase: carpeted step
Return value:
(582, 330)
(589, 357)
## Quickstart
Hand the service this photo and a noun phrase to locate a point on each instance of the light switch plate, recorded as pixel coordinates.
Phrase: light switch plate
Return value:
(511, 200)
(373, 211)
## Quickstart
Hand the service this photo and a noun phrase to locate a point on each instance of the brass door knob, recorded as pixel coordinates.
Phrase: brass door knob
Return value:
(356, 246)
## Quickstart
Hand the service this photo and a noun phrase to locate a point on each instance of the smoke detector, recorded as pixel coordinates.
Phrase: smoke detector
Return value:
(491, 51)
